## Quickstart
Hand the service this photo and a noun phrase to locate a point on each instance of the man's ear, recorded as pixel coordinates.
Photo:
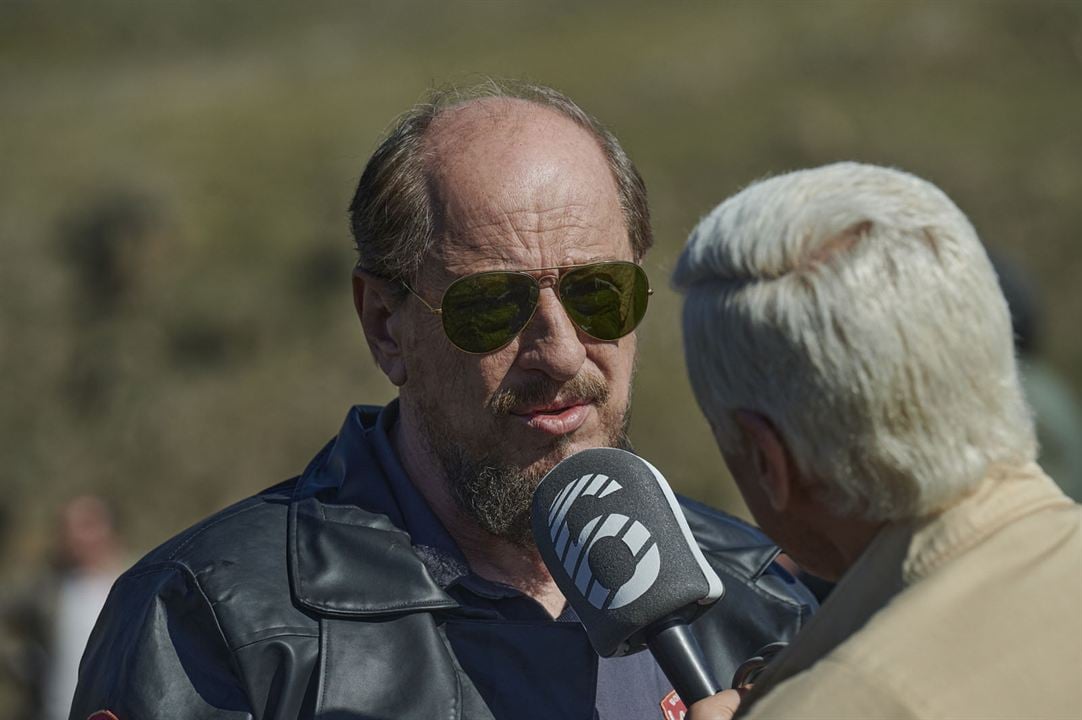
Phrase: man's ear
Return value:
(378, 308)
(770, 458)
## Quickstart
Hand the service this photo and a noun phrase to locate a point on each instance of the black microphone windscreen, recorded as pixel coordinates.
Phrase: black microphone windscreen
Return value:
(618, 546)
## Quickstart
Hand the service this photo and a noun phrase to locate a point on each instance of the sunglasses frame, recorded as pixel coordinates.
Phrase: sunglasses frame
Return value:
(543, 282)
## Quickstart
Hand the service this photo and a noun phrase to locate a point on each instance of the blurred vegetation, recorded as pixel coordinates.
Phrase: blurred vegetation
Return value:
(176, 329)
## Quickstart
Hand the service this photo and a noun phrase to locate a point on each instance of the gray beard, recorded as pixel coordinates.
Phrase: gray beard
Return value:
(497, 498)
(497, 495)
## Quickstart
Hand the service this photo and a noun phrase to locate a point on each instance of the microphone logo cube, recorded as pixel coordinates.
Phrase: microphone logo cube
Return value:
(575, 553)
(616, 542)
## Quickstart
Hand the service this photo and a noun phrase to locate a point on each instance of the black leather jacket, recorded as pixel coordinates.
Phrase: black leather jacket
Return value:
(299, 602)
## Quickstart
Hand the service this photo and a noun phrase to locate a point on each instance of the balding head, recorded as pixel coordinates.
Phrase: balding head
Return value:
(395, 212)
(515, 155)
(513, 133)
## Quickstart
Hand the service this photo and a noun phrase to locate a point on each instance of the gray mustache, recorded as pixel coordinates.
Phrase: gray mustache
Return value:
(585, 387)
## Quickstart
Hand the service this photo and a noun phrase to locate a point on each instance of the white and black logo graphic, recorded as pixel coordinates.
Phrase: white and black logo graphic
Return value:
(574, 553)
(615, 539)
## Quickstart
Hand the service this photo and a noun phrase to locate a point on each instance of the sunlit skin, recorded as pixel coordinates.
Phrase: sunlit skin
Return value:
(519, 187)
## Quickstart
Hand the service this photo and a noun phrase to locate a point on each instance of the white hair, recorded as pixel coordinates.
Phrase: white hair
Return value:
(854, 307)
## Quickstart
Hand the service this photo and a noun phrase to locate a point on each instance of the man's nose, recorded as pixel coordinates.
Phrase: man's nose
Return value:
(551, 343)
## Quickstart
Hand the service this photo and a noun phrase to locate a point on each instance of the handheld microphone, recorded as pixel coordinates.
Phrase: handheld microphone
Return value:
(615, 540)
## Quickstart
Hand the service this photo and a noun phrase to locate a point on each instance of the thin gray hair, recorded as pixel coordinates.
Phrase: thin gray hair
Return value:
(855, 308)
(392, 215)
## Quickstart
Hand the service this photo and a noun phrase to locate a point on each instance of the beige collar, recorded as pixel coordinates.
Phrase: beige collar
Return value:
(903, 553)
(1004, 496)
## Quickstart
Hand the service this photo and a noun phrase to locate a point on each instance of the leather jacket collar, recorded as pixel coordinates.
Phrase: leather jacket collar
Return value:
(340, 532)
(334, 542)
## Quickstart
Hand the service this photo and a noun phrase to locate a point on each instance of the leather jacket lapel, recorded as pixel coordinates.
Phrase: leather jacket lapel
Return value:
(381, 645)
(345, 560)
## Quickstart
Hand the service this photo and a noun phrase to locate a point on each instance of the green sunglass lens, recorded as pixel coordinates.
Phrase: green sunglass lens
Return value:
(484, 312)
(606, 300)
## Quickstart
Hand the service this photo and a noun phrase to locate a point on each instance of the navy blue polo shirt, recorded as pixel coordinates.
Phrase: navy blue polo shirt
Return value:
(524, 663)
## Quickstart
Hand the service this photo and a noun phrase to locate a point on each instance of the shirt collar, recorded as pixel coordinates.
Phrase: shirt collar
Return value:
(335, 543)
(904, 553)
(1003, 496)
(416, 517)
(431, 541)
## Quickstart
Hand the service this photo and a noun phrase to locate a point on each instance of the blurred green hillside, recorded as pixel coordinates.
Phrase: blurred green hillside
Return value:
(206, 347)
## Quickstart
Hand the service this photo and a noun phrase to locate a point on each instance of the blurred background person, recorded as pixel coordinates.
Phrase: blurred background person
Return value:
(48, 623)
(91, 558)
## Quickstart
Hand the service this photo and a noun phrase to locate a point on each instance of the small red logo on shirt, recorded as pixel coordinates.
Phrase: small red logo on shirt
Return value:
(103, 715)
(673, 708)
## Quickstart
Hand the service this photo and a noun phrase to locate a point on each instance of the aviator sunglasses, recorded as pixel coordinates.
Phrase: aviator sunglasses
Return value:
(483, 312)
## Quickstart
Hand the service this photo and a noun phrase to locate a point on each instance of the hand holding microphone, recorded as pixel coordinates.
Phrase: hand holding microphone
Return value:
(613, 536)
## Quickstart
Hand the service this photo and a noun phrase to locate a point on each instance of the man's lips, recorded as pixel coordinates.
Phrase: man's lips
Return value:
(555, 419)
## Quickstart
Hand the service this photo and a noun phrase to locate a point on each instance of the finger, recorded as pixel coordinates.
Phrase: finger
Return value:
(719, 707)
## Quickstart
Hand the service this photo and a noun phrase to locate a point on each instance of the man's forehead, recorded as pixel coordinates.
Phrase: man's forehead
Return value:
(505, 130)
(511, 245)
(519, 185)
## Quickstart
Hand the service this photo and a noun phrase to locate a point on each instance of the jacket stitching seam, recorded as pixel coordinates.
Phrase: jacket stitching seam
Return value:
(394, 530)
(210, 606)
(324, 653)
(178, 567)
(273, 637)
(191, 538)
(341, 608)
(457, 700)
(158, 567)
(175, 566)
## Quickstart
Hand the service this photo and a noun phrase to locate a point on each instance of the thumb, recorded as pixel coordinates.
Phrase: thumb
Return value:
(718, 707)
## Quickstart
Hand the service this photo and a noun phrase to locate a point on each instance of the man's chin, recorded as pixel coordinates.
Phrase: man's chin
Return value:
(494, 483)
(537, 463)
(518, 530)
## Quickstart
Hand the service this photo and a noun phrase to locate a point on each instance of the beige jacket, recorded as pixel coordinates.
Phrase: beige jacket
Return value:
(974, 613)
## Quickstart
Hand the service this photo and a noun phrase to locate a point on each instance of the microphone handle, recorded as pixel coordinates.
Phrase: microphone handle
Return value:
(678, 654)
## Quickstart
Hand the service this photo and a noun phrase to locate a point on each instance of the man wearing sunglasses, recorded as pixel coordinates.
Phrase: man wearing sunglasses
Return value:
(500, 234)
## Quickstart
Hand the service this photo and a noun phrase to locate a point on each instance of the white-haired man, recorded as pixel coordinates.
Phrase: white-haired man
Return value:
(848, 342)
